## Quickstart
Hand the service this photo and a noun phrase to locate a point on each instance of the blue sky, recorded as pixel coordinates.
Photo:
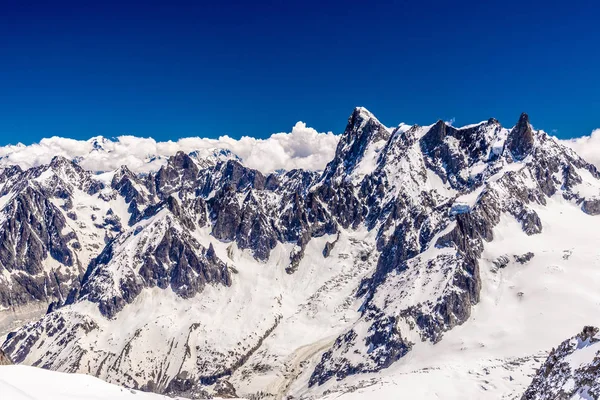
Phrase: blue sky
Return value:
(175, 69)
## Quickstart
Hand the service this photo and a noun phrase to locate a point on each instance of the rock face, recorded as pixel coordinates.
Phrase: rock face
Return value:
(225, 389)
(520, 140)
(4, 360)
(501, 262)
(572, 370)
(591, 206)
(200, 261)
(175, 260)
(44, 249)
(363, 131)
(524, 258)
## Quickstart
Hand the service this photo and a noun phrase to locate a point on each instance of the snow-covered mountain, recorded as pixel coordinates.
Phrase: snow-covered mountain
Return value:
(571, 370)
(424, 254)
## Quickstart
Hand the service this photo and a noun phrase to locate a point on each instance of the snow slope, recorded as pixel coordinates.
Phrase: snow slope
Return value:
(525, 310)
(19, 382)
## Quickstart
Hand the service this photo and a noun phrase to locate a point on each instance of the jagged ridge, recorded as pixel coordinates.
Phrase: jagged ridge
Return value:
(430, 196)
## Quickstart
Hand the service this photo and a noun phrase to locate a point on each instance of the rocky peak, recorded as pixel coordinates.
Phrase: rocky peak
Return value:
(210, 158)
(589, 333)
(241, 177)
(68, 171)
(60, 177)
(98, 143)
(211, 255)
(68, 167)
(450, 151)
(122, 173)
(362, 126)
(8, 177)
(435, 136)
(362, 130)
(58, 161)
(124, 178)
(182, 161)
(9, 171)
(520, 139)
(180, 172)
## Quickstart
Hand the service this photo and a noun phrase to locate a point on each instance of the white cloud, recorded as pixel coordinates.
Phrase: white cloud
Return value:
(587, 147)
(303, 147)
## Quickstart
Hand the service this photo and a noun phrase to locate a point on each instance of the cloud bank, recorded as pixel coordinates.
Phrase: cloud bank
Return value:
(303, 147)
(588, 147)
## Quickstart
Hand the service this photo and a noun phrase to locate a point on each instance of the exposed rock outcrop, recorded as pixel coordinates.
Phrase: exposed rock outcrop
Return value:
(520, 140)
(572, 370)
(4, 359)
(524, 258)
(591, 206)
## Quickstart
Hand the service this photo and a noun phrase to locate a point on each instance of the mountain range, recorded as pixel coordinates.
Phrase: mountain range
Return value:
(425, 260)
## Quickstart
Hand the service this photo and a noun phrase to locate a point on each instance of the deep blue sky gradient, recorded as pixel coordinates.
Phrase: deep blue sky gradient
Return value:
(172, 69)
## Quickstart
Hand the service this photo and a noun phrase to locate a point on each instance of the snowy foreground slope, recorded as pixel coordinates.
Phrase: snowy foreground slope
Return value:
(18, 382)
(423, 262)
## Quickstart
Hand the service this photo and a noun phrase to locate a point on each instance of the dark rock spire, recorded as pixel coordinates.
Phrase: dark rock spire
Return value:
(520, 139)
